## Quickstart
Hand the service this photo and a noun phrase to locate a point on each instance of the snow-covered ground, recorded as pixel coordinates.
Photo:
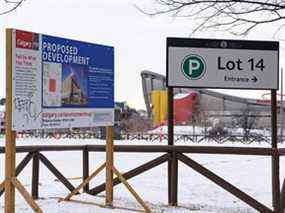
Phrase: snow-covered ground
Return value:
(196, 194)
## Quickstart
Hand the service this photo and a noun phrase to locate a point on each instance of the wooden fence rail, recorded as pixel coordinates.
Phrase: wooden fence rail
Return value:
(154, 149)
(171, 154)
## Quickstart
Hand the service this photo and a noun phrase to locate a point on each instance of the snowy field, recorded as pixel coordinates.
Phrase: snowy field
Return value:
(196, 194)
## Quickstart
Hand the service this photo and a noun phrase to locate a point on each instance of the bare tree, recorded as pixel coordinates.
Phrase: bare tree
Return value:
(7, 6)
(238, 17)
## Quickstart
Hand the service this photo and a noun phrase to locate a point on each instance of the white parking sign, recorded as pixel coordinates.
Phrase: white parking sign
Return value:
(234, 64)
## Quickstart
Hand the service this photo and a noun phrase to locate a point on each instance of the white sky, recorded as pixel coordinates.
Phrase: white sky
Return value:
(139, 40)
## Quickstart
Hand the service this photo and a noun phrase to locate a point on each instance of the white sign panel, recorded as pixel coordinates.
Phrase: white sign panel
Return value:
(202, 63)
(60, 83)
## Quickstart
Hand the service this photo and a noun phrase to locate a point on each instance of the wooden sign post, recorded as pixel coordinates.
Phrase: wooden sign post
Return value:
(10, 142)
(11, 181)
(109, 166)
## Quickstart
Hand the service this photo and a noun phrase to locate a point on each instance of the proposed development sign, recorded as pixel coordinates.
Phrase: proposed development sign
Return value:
(60, 83)
(233, 64)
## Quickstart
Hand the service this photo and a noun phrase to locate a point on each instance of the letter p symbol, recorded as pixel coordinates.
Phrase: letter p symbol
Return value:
(193, 65)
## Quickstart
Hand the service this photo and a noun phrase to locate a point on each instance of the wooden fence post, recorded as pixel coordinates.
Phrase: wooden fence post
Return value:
(35, 175)
(85, 167)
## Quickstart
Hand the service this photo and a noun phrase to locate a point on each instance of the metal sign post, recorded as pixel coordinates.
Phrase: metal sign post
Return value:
(172, 164)
(223, 64)
(281, 108)
(275, 156)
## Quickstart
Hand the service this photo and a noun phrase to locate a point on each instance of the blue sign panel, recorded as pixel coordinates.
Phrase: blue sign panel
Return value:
(77, 74)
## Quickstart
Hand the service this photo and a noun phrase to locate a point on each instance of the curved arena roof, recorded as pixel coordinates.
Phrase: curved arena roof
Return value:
(211, 101)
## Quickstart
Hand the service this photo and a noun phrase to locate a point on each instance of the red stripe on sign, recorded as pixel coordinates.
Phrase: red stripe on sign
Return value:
(24, 39)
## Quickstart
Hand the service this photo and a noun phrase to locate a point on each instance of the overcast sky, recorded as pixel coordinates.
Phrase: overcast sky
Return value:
(139, 40)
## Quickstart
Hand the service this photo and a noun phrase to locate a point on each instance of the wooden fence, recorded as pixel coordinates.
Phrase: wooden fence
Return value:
(170, 154)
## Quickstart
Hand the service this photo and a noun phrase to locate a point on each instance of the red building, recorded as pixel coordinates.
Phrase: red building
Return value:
(184, 106)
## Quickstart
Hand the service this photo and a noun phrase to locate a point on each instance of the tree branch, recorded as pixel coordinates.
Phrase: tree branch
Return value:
(10, 6)
(236, 16)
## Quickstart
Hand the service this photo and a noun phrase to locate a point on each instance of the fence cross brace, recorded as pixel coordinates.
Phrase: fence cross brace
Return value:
(110, 169)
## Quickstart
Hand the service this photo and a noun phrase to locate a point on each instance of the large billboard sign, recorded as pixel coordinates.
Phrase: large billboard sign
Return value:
(60, 83)
(233, 64)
